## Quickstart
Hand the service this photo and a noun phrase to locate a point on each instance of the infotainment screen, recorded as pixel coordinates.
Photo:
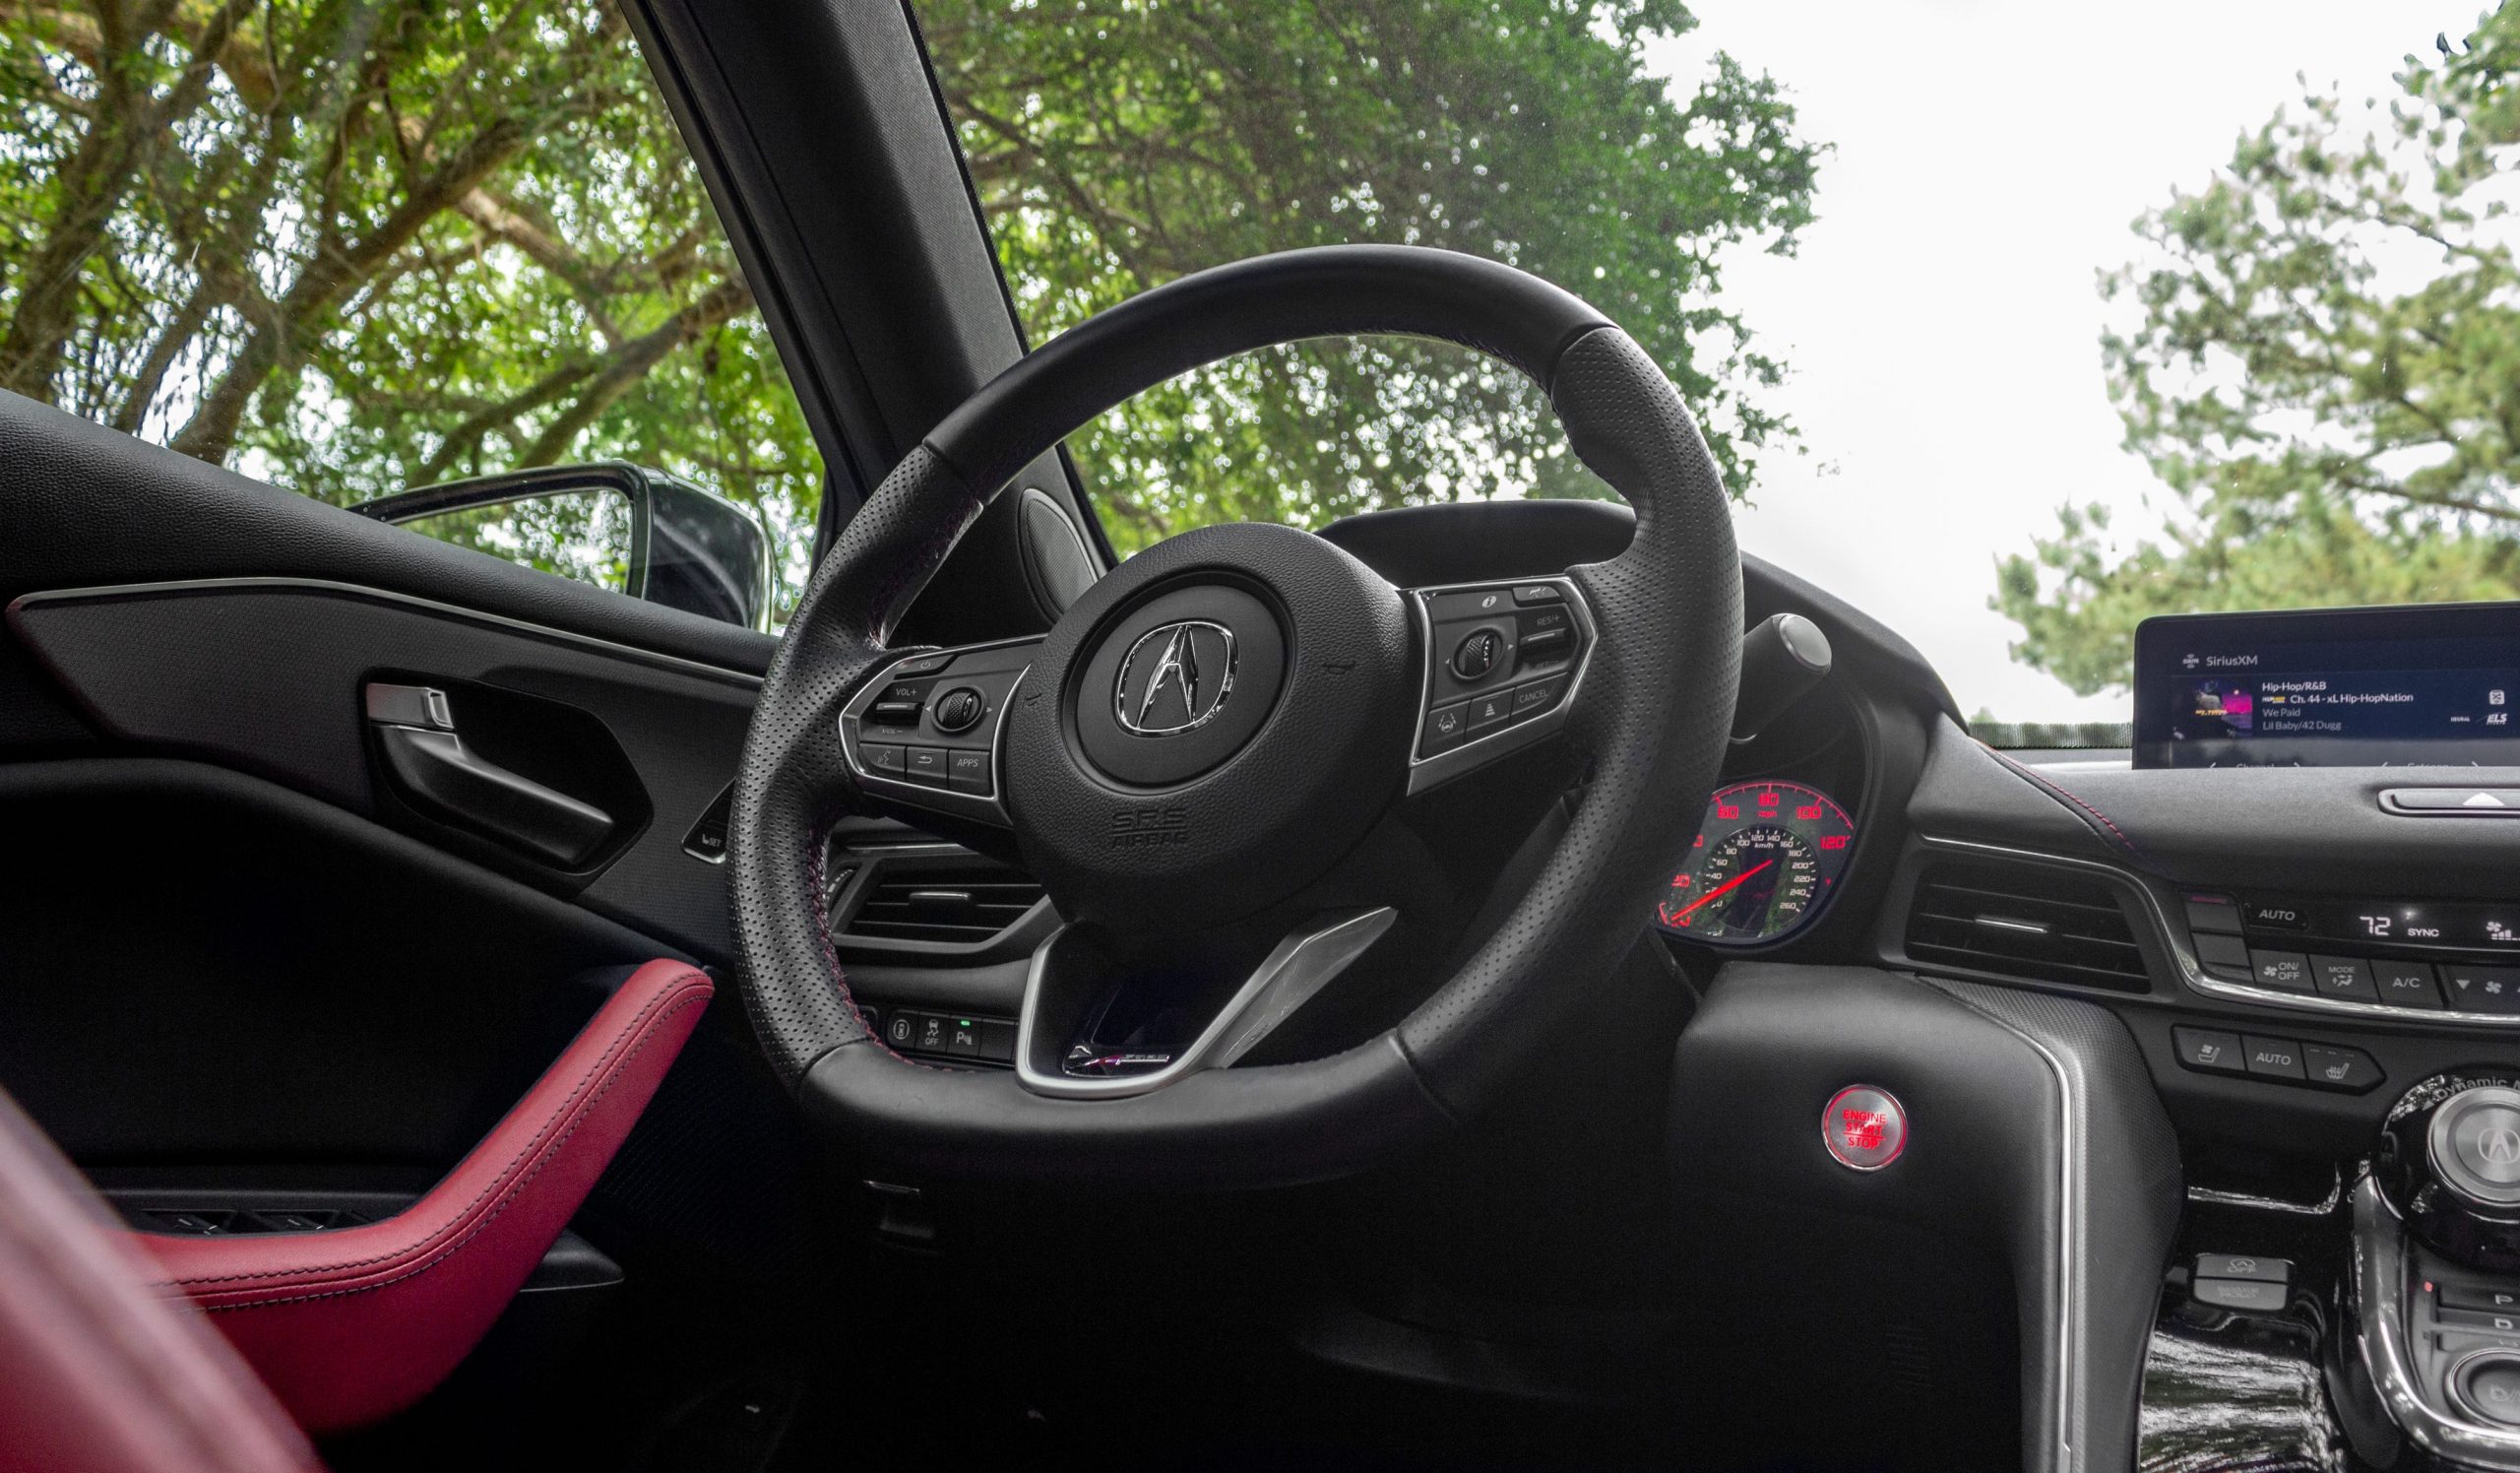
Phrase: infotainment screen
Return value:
(2330, 687)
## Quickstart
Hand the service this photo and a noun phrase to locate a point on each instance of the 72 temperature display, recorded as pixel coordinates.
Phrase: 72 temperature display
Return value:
(1763, 863)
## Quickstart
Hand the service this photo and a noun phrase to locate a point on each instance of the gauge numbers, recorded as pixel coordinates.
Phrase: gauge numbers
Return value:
(1763, 864)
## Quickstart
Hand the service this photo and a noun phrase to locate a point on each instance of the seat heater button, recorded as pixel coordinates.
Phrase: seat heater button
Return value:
(2339, 1068)
(2490, 1384)
(2273, 1057)
(2249, 1296)
(2283, 971)
(2209, 1050)
(2406, 984)
(2243, 1266)
(2347, 977)
(1865, 1127)
(1490, 710)
(1446, 727)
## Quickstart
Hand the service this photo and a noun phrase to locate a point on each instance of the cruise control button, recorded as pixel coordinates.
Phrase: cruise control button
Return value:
(1538, 695)
(2339, 1068)
(1546, 621)
(2287, 971)
(884, 758)
(1490, 710)
(2273, 1057)
(2406, 984)
(2252, 1295)
(1537, 593)
(1539, 648)
(2481, 989)
(1446, 727)
(2210, 1050)
(968, 772)
(2346, 978)
(927, 766)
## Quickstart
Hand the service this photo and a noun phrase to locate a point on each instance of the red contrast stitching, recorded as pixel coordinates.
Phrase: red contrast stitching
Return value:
(2049, 784)
(817, 841)
(640, 1029)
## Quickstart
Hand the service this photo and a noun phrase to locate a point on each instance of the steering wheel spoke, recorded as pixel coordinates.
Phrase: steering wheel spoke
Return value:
(1502, 665)
(928, 730)
(1082, 1037)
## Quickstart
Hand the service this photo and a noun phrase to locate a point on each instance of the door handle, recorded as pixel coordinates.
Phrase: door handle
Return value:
(430, 762)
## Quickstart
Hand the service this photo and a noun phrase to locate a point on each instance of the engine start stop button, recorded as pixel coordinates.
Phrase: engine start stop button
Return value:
(1865, 1127)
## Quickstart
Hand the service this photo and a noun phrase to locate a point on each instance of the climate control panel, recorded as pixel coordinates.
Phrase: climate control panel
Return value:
(2460, 959)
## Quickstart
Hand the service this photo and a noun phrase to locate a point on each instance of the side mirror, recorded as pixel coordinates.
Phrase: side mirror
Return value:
(619, 525)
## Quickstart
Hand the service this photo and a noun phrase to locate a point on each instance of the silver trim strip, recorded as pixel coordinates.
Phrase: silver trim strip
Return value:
(2173, 942)
(1298, 967)
(1514, 735)
(2377, 1295)
(2069, 1234)
(334, 589)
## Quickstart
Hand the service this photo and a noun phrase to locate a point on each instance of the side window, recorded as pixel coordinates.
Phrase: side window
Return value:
(358, 249)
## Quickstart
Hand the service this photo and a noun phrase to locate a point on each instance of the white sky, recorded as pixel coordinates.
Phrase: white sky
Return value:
(1942, 318)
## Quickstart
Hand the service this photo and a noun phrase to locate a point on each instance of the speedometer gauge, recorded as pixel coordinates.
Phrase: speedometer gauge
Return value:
(1765, 860)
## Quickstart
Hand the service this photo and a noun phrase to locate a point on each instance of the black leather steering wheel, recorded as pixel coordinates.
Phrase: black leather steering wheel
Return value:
(1223, 738)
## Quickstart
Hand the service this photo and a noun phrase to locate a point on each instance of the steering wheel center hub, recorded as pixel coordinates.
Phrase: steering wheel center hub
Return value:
(1210, 728)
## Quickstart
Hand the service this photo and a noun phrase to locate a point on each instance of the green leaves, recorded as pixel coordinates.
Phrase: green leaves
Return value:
(2324, 369)
(1117, 144)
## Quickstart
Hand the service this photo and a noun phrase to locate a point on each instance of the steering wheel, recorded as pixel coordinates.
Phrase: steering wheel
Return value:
(1233, 762)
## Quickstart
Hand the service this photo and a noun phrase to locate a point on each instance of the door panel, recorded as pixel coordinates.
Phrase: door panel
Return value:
(266, 675)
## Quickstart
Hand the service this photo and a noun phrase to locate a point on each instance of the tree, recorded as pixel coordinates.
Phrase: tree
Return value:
(356, 245)
(1116, 144)
(2324, 372)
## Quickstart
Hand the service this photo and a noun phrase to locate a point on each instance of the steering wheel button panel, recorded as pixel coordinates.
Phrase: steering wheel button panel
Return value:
(1501, 662)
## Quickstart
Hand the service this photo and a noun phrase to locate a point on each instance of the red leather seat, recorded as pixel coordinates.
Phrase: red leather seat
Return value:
(105, 1366)
(99, 1371)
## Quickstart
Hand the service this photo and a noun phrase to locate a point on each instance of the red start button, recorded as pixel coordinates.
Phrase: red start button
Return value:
(1865, 1127)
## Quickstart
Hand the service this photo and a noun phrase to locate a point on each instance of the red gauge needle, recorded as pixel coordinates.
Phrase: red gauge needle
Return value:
(1727, 887)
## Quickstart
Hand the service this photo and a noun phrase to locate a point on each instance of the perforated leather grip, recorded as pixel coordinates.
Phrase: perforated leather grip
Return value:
(1651, 720)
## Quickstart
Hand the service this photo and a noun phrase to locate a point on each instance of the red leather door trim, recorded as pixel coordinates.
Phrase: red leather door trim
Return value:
(350, 1326)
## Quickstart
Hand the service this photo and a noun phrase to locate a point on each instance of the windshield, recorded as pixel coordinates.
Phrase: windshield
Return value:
(2009, 326)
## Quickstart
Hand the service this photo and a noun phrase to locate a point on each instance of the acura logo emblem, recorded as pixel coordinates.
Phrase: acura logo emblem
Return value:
(2500, 1146)
(1175, 678)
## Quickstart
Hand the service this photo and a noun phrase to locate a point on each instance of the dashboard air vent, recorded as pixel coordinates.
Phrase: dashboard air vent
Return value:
(969, 900)
(2020, 920)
